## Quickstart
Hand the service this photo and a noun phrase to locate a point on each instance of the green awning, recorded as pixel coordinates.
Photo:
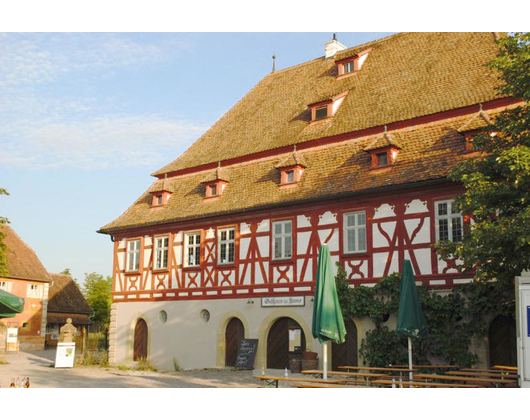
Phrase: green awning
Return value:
(10, 305)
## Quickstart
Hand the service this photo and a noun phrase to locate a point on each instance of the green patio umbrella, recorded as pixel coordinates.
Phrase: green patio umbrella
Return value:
(411, 321)
(10, 305)
(327, 315)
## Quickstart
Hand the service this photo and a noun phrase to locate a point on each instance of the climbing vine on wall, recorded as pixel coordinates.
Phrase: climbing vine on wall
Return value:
(454, 319)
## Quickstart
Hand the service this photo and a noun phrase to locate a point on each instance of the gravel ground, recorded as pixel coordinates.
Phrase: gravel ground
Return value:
(39, 366)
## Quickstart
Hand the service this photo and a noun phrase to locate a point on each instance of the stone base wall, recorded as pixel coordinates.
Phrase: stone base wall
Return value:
(30, 343)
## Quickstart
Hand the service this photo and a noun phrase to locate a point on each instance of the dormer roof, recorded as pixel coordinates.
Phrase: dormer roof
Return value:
(381, 142)
(219, 174)
(293, 159)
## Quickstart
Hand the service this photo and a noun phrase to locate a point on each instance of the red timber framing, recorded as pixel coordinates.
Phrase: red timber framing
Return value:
(399, 225)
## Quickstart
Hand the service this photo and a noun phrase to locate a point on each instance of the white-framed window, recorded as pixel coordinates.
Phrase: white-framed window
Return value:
(355, 232)
(227, 245)
(35, 291)
(282, 239)
(193, 249)
(449, 221)
(133, 255)
(348, 67)
(6, 286)
(161, 252)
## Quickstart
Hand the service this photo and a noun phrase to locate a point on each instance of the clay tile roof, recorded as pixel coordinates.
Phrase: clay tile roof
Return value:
(160, 185)
(293, 159)
(385, 140)
(219, 174)
(22, 262)
(65, 297)
(405, 76)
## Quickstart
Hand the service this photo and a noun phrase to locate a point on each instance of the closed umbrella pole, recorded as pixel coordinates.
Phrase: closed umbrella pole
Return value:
(328, 324)
(410, 322)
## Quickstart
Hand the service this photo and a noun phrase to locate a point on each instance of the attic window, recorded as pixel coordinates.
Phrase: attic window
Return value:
(291, 169)
(383, 150)
(326, 109)
(384, 157)
(160, 198)
(160, 193)
(211, 190)
(351, 65)
(321, 112)
(215, 183)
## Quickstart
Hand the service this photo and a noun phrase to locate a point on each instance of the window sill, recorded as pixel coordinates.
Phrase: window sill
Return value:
(160, 270)
(223, 266)
(132, 272)
(279, 261)
(192, 268)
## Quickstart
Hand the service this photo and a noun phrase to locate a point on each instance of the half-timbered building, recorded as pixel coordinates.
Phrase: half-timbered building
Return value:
(352, 149)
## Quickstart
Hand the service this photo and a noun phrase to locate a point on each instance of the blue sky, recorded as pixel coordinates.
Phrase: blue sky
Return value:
(85, 118)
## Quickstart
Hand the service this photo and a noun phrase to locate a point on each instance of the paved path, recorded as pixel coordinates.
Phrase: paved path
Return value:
(38, 365)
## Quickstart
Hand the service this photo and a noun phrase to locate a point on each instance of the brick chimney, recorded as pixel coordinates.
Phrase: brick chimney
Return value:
(333, 47)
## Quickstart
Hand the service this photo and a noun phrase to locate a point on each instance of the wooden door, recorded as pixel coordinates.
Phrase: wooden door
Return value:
(345, 354)
(140, 340)
(234, 333)
(503, 341)
(278, 354)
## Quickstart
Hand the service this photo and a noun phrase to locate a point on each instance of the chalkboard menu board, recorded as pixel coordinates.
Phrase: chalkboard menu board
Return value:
(246, 353)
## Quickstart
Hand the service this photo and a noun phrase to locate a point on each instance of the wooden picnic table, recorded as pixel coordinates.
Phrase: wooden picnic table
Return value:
(320, 373)
(512, 368)
(312, 385)
(425, 366)
(378, 369)
(274, 380)
(466, 379)
(419, 384)
(501, 375)
(347, 376)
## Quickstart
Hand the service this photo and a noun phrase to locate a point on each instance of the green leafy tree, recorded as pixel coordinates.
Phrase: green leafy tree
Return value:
(3, 247)
(97, 291)
(497, 185)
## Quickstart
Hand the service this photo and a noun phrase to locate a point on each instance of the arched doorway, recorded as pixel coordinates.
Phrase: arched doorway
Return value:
(286, 340)
(140, 340)
(345, 354)
(235, 332)
(503, 341)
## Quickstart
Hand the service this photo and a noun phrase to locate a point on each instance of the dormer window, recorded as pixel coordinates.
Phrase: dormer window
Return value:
(351, 65)
(327, 108)
(160, 193)
(215, 183)
(291, 169)
(383, 151)
(469, 134)
(384, 157)
(320, 111)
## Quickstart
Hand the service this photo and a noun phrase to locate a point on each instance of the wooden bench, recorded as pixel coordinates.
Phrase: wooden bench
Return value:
(303, 385)
(377, 369)
(467, 379)
(418, 384)
(320, 373)
(274, 380)
(511, 368)
(498, 375)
